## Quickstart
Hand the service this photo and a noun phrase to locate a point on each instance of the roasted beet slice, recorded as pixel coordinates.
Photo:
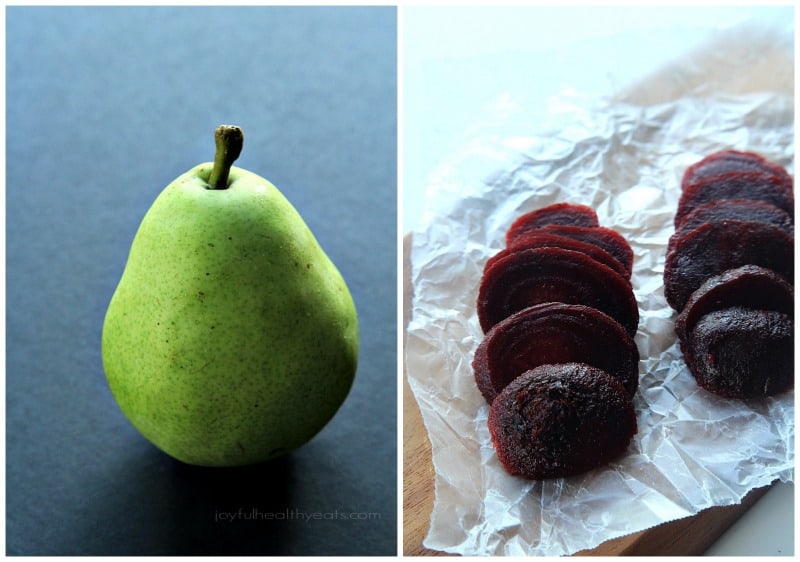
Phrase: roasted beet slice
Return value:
(554, 333)
(759, 186)
(558, 213)
(542, 240)
(742, 352)
(604, 238)
(749, 286)
(560, 420)
(737, 209)
(538, 275)
(732, 161)
(714, 247)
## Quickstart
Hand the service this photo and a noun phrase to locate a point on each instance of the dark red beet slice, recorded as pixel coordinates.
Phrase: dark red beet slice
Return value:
(554, 333)
(759, 186)
(749, 286)
(604, 238)
(743, 352)
(732, 161)
(715, 247)
(737, 209)
(539, 239)
(538, 275)
(560, 420)
(558, 213)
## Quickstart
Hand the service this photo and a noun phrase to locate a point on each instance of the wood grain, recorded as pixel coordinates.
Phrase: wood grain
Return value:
(418, 492)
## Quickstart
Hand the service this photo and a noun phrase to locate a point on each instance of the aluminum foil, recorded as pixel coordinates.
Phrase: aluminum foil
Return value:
(693, 450)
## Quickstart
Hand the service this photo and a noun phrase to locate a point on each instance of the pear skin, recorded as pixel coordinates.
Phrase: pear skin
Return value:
(231, 338)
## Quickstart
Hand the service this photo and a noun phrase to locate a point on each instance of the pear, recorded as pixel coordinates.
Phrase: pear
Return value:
(231, 338)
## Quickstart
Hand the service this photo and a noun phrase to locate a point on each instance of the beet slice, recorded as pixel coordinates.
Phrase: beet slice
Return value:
(749, 286)
(560, 420)
(742, 352)
(737, 209)
(759, 186)
(539, 239)
(554, 333)
(726, 161)
(538, 275)
(714, 247)
(558, 213)
(604, 238)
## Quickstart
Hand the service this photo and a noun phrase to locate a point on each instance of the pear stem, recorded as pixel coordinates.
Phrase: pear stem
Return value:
(229, 140)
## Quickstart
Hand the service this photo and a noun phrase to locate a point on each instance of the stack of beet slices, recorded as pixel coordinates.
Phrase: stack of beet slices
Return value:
(729, 274)
(558, 363)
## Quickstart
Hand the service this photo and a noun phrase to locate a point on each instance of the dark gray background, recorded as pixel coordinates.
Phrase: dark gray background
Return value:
(106, 106)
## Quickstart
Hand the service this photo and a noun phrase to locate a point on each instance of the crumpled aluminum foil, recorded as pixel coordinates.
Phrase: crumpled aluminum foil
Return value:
(694, 450)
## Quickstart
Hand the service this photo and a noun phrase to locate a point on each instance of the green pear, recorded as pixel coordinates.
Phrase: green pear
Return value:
(231, 338)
